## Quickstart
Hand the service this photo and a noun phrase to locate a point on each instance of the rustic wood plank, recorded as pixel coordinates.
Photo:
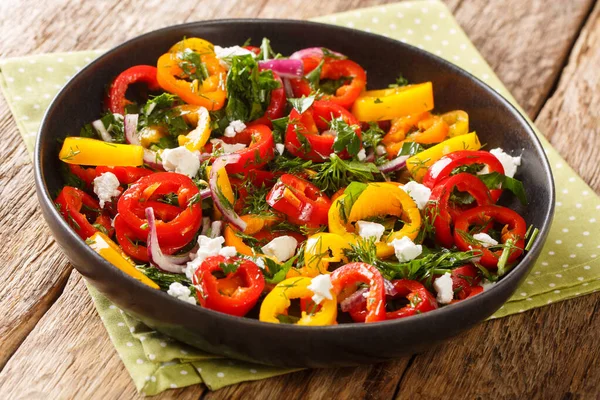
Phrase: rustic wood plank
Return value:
(68, 356)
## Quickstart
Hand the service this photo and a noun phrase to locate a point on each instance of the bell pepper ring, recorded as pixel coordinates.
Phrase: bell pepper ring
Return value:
(302, 202)
(197, 138)
(75, 206)
(234, 294)
(179, 226)
(514, 230)
(420, 301)
(278, 301)
(210, 92)
(112, 253)
(125, 175)
(458, 122)
(418, 164)
(465, 158)
(259, 151)
(320, 250)
(313, 126)
(345, 95)
(386, 104)
(118, 88)
(465, 281)
(86, 151)
(438, 208)
(254, 225)
(378, 199)
(350, 275)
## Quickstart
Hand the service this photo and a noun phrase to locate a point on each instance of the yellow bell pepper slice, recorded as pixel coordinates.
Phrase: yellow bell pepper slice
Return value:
(255, 224)
(112, 253)
(386, 104)
(320, 250)
(197, 138)
(152, 134)
(86, 151)
(378, 199)
(458, 122)
(418, 164)
(279, 300)
(226, 189)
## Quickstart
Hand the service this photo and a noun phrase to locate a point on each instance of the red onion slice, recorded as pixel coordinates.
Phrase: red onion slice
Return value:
(215, 229)
(205, 225)
(99, 127)
(228, 213)
(166, 263)
(354, 300)
(205, 194)
(151, 159)
(396, 164)
(287, 86)
(286, 68)
(314, 51)
(130, 125)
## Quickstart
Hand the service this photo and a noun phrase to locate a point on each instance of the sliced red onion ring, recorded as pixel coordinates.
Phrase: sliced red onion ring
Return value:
(173, 264)
(287, 86)
(131, 133)
(215, 229)
(390, 290)
(228, 213)
(205, 194)
(370, 156)
(354, 300)
(313, 51)
(205, 226)
(394, 165)
(151, 159)
(99, 127)
(205, 156)
(285, 68)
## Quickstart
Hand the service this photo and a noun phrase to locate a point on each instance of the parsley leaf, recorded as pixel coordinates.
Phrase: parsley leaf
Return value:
(302, 104)
(351, 194)
(346, 138)
(164, 279)
(410, 149)
(400, 81)
(230, 268)
(275, 272)
(496, 179)
(336, 173)
(314, 76)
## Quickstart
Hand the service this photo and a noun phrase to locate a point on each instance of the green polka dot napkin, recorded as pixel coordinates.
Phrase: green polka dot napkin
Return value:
(569, 265)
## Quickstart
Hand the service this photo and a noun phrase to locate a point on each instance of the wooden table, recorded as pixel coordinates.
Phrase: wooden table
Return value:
(52, 342)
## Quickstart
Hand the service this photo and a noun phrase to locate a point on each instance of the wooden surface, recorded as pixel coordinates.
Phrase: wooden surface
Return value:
(52, 343)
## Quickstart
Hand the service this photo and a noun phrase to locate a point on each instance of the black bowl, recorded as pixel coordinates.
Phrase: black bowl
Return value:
(497, 123)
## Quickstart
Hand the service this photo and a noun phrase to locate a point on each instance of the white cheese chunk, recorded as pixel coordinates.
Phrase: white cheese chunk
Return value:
(234, 128)
(105, 187)
(509, 162)
(438, 166)
(321, 287)
(181, 292)
(405, 249)
(419, 193)
(380, 150)
(487, 285)
(443, 287)
(226, 147)
(485, 239)
(228, 251)
(362, 155)
(280, 148)
(282, 248)
(225, 54)
(366, 230)
(207, 247)
(181, 160)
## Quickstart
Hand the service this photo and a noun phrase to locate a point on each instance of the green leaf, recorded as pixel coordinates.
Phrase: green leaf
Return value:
(314, 76)
(287, 319)
(497, 180)
(279, 128)
(336, 173)
(410, 149)
(302, 104)
(275, 272)
(230, 268)
(351, 194)
(165, 279)
(400, 81)
(114, 126)
(346, 138)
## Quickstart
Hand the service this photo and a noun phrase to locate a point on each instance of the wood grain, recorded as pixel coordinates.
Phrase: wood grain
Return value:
(527, 44)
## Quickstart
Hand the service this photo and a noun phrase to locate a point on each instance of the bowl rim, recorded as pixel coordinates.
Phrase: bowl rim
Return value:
(514, 274)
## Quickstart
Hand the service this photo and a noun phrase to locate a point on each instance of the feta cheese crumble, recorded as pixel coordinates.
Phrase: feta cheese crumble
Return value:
(207, 247)
(105, 187)
(282, 248)
(405, 249)
(443, 287)
(280, 148)
(487, 285)
(362, 155)
(234, 128)
(509, 162)
(181, 160)
(485, 239)
(438, 166)
(225, 54)
(181, 292)
(321, 287)
(226, 147)
(366, 230)
(380, 150)
(419, 193)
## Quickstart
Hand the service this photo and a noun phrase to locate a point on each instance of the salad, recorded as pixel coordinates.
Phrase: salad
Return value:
(280, 188)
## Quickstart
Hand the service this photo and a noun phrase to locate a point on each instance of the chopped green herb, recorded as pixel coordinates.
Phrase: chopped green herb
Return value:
(336, 173)
(496, 180)
(302, 104)
(346, 138)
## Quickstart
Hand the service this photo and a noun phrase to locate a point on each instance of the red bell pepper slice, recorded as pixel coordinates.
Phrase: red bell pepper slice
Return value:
(276, 107)
(420, 301)
(514, 229)
(76, 207)
(118, 88)
(87, 175)
(125, 175)
(302, 202)
(131, 242)
(465, 280)
(438, 209)
(260, 150)
(355, 273)
(313, 125)
(177, 225)
(335, 69)
(464, 158)
(236, 293)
